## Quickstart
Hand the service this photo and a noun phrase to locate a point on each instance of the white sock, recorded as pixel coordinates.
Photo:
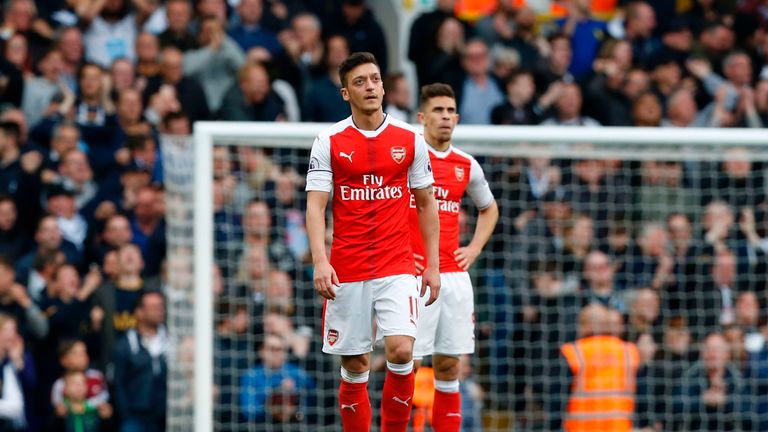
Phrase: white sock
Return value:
(447, 386)
(400, 369)
(354, 377)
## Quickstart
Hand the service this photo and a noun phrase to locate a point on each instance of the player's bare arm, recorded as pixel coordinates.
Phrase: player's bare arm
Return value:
(429, 224)
(486, 223)
(324, 275)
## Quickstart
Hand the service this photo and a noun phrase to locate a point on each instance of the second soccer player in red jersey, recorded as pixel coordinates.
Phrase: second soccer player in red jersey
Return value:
(447, 329)
(370, 162)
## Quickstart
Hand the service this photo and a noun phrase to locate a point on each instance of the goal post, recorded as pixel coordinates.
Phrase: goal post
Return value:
(195, 244)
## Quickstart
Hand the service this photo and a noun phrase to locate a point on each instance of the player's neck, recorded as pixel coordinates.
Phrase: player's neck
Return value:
(436, 144)
(368, 121)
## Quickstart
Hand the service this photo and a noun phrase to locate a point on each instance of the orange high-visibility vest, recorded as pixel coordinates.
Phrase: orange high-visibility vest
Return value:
(603, 391)
(473, 10)
(423, 398)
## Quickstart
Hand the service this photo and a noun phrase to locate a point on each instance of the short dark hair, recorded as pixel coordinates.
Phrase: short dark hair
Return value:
(390, 81)
(434, 90)
(66, 345)
(10, 129)
(353, 61)
(140, 301)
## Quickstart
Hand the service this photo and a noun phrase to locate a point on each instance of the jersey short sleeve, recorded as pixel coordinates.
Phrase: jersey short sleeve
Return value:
(420, 172)
(477, 188)
(319, 172)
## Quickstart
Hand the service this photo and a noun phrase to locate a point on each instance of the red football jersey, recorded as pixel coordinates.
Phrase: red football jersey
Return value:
(455, 173)
(369, 173)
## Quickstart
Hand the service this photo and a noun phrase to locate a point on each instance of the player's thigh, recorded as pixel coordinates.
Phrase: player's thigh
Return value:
(347, 321)
(427, 327)
(456, 326)
(396, 305)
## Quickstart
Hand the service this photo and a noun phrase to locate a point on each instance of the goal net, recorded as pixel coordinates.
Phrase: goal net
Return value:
(667, 227)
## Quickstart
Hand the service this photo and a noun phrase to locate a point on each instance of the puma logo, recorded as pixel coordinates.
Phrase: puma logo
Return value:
(348, 156)
(398, 400)
(453, 414)
(350, 406)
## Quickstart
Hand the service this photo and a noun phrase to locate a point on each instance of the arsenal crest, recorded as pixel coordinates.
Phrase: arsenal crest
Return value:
(333, 336)
(459, 171)
(398, 154)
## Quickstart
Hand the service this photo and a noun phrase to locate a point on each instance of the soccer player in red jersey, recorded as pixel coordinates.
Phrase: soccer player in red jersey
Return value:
(447, 329)
(369, 162)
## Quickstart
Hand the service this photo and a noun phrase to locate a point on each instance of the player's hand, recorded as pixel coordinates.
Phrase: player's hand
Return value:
(419, 260)
(325, 279)
(466, 256)
(430, 278)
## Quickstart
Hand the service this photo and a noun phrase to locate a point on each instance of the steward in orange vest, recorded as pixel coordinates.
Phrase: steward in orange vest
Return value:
(602, 369)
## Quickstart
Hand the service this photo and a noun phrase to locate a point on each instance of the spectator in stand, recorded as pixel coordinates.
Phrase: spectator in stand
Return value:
(15, 240)
(586, 33)
(189, 91)
(123, 75)
(650, 264)
(519, 108)
(423, 46)
(20, 18)
(17, 373)
(215, 63)
(397, 97)
(363, 32)
(446, 60)
(712, 394)
(599, 282)
(115, 300)
(638, 30)
(233, 322)
(324, 102)
(140, 368)
(259, 232)
(40, 90)
(61, 205)
(644, 315)
(16, 304)
(304, 49)
(555, 68)
(77, 412)
(477, 92)
(65, 137)
(250, 31)
(91, 197)
(73, 357)
(252, 98)
(662, 191)
(147, 55)
(274, 391)
(178, 33)
(498, 28)
(738, 181)
(48, 241)
(289, 210)
(111, 34)
(568, 108)
(147, 224)
(70, 42)
(129, 113)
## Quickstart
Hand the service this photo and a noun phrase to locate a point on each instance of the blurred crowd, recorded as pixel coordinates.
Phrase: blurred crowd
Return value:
(677, 247)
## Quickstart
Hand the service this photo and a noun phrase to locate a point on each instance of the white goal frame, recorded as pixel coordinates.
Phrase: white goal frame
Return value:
(488, 140)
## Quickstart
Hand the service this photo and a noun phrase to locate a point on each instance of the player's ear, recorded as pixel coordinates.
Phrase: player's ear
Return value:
(345, 94)
(420, 117)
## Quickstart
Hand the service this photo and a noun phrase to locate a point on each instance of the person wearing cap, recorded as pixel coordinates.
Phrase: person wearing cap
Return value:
(60, 201)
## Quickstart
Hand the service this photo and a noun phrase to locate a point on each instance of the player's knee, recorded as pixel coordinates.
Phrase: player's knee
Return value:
(356, 364)
(400, 354)
(446, 368)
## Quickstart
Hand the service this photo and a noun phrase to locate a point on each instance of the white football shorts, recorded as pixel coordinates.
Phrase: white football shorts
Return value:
(348, 321)
(447, 326)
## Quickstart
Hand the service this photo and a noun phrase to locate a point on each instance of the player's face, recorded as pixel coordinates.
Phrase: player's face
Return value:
(364, 89)
(439, 117)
